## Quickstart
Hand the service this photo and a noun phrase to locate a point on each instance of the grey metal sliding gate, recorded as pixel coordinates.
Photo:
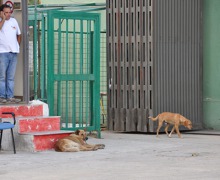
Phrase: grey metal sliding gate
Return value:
(154, 61)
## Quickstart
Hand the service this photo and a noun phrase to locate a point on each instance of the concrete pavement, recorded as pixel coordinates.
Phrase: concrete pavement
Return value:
(126, 157)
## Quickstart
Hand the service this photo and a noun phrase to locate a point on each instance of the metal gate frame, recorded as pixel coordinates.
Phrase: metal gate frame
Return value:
(83, 77)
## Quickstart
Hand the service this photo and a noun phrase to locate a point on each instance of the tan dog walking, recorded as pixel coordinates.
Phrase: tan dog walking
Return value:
(171, 118)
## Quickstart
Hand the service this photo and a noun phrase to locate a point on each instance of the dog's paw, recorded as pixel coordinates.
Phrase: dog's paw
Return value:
(101, 146)
(95, 148)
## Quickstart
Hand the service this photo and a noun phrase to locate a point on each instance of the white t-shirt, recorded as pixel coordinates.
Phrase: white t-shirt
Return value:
(8, 36)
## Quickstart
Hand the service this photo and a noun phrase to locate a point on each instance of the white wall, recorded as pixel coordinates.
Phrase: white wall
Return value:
(19, 70)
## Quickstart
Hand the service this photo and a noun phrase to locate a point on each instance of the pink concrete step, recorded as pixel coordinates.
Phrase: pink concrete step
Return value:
(42, 141)
(22, 110)
(38, 124)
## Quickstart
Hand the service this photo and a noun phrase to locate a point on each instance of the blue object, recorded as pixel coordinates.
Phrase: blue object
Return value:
(8, 125)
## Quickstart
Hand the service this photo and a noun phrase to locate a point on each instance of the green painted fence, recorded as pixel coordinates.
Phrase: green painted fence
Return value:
(65, 48)
(74, 69)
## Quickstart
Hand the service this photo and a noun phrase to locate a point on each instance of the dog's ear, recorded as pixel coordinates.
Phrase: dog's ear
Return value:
(77, 132)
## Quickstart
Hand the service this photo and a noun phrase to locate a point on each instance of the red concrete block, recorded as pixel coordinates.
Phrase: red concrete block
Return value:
(22, 110)
(36, 110)
(39, 133)
(47, 142)
(39, 124)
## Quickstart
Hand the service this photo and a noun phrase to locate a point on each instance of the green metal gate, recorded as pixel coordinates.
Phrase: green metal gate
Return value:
(74, 69)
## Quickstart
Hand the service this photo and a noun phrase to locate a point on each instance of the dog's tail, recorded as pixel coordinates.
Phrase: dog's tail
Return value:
(153, 119)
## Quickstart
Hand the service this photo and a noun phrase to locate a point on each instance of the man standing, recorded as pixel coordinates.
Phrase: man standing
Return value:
(10, 39)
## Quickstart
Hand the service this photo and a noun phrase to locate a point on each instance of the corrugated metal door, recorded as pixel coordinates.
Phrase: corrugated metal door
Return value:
(177, 58)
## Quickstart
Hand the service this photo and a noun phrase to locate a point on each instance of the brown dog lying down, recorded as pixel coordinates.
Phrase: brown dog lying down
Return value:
(76, 142)
(172, 118)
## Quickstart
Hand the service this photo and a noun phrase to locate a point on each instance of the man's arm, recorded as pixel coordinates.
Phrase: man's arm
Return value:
(2, 16)
(19, 39)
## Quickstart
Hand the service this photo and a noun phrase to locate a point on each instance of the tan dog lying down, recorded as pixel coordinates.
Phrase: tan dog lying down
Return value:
(76, 142)
(172, 118)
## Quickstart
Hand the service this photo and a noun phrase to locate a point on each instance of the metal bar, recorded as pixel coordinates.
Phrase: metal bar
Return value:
(87, 70)
(91, 83)
(81, 72)
(96, 71)
(13, 140)
(25, 44)
(42, 68)
(59, 69)
(35, 53)
(67, 70)
(74, 72)
(1, 140)
(50, 70)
